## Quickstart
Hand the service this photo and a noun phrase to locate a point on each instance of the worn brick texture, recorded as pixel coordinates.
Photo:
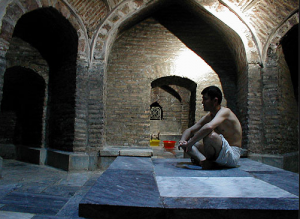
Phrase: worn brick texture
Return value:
(146, 46)
(280, 119)
(91, 12)
(103, 98)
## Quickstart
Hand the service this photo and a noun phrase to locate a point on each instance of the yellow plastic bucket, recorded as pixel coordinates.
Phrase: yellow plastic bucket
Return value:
(154, 142)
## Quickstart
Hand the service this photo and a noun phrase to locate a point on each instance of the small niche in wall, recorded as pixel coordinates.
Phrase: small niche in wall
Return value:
(156, 112)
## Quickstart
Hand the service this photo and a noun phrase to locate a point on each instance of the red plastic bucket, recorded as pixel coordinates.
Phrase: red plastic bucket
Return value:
(169, 144)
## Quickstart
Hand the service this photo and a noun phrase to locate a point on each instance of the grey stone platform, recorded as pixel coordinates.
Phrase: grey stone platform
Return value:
(29, 191)
(140, 187)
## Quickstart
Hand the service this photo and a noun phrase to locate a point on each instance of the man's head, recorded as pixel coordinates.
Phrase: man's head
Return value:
(212, 96)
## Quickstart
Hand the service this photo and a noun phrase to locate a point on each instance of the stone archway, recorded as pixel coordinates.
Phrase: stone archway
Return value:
(180, 113)
(153, 53)
(280, 86)
(132, 14)
(55, 38)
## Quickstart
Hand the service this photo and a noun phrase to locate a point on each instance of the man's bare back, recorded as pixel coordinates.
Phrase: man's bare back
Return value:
(230, 128)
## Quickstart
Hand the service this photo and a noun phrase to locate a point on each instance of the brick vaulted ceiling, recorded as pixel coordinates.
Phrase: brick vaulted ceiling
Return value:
(199, 35)
(261, 15)
(92, 13)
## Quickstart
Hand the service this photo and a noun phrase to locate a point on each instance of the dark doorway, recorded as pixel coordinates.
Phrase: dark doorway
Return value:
(290, 49)
(22, 107)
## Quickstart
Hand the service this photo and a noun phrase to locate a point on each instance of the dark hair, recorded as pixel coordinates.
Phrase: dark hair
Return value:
(212, 92)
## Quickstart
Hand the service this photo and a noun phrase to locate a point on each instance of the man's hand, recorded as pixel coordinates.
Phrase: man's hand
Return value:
(184, 145)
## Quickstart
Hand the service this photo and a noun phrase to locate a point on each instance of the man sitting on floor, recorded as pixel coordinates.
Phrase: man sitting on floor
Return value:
(220, 130)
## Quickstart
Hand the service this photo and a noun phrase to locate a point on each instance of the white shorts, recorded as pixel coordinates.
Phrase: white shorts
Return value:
(229, 155)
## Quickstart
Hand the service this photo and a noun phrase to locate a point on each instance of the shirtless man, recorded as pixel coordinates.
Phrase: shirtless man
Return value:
(220, 130)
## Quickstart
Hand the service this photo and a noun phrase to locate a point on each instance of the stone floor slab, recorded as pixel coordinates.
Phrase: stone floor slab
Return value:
(124, 188)
(185, 191)
(133, 181)
(219, 187)
(14, 215)
(183, 167)
(33, 203)
(132, 163)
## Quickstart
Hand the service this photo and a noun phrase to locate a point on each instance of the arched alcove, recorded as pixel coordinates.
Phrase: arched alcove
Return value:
(156, 111)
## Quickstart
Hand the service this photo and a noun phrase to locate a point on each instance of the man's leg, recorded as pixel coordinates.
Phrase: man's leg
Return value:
(212, 145)
(197, 153)
(198, 158)
(204, 154)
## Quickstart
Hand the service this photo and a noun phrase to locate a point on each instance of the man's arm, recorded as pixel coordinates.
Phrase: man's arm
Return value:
(207, 128)
(196, 127)
(186, 135)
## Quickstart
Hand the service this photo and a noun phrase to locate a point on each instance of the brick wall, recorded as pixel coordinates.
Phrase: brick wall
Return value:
(139, 56)
(280, 115)
(264, 104)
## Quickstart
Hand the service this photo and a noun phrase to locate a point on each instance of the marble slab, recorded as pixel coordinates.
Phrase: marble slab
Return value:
(174, 188)
(250, 204)
(124, 188)
(184, 167)
(132, 163)
(118, 192)
(33, 203)
(219, 187)
(251, 165)
(14, 215)
(286, 180)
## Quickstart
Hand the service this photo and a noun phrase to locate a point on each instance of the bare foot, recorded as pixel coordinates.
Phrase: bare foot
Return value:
(207, 165)
(195, 162)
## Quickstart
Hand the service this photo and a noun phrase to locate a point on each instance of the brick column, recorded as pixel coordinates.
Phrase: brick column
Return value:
(96, 106)
(81, 108)
(255, 109)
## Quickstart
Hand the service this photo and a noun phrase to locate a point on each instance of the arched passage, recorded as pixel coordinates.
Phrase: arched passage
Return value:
(55, 38)
(209, 39)
(280, 91)
(148, 50)
(22, 107)
(290, 49)
(165, 82)
(129, 13)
